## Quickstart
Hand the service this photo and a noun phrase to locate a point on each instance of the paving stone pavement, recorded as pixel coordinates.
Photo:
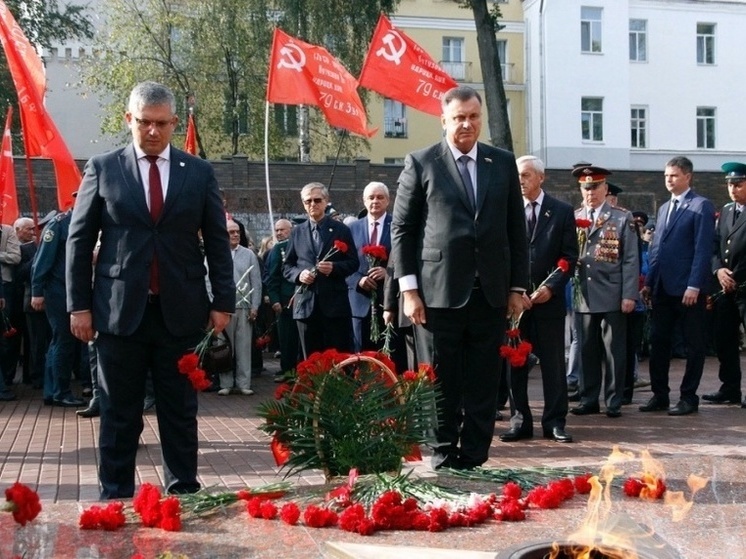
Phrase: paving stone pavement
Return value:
(54, 452)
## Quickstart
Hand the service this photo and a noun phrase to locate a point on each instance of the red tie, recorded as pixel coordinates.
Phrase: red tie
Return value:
(156, 205)
(374, 234)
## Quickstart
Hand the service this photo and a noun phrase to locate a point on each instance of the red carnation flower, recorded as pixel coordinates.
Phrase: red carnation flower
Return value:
(188, 363)
(632, 487)
(341, 246)
(563, 265)
(290, 513)
(582, 223)
(23, 502)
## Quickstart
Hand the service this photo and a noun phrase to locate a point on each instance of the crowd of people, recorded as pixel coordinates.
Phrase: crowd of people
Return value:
(121, 286)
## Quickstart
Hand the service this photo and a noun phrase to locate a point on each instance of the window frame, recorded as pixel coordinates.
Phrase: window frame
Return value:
(706, 128)
(591, 30)
(639, 127)
(591, 120)
(638, 38)
(706, 44)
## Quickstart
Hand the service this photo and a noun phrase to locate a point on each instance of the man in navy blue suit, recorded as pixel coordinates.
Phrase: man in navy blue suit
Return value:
(321, 308)
(676, 286)
(147, 303)
(372, 229)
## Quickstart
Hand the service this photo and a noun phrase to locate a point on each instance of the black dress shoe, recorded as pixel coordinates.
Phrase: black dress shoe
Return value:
(584, 409)
(721, 397)
(613, 413)
(558, 434)
(48, 402)
(513, 435)
(682, 408)
(655, 404)
(90, 411)
(7, 396)
(69, 402)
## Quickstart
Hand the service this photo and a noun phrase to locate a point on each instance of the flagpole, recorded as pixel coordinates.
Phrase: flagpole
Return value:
(266, 170)
(29, 175)
(336, 159)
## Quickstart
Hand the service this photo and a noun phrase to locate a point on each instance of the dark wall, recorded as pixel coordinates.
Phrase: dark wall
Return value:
(244, 184)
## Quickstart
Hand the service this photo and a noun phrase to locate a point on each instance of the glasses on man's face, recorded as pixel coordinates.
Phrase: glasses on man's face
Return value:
(310, 201)
(145, 124)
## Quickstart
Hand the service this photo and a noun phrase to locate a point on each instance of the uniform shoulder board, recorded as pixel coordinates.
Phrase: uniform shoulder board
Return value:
(60, 216)
(620, 208)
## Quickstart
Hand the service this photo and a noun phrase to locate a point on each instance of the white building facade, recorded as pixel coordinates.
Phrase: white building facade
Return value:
(628, 84)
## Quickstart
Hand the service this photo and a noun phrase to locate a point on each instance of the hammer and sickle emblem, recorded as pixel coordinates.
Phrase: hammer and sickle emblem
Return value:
(291, 56)
(390, 52)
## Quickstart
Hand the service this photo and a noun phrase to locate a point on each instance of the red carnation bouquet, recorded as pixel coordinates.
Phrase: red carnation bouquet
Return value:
(338, 246)
(515, 350)
(376, 255)
(582, 227)
(190, 364)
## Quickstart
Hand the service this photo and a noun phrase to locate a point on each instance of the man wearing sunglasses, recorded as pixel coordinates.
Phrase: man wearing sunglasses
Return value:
(321, 308)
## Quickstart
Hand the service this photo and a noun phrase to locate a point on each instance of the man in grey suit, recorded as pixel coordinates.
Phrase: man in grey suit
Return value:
(607, 273)
(147, 304)
(372, 229)
(248, 279)
(459, 244)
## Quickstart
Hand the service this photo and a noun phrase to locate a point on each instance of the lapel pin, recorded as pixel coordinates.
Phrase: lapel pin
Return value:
(488, 160)
(182, 164)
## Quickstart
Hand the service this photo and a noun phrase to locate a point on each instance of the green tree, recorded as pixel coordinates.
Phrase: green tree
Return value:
(43, 23)
(217, 50)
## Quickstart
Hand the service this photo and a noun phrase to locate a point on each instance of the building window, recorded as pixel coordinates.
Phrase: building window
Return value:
(705, 127)
(502, 53)
(286, 118)
(393, 161)
(394, 119)
(705, 43)
(590, 29)
(453, 57)
(639, 127)
(638, 40)
(592, 118)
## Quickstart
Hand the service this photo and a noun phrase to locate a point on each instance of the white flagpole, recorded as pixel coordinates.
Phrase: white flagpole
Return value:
(266, 170)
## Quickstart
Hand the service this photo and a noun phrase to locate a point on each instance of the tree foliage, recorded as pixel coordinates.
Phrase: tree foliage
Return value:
(44, 22)
(487, 25)
(218, 51)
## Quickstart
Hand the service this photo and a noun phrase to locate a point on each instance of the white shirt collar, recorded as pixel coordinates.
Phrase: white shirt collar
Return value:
(165, 154)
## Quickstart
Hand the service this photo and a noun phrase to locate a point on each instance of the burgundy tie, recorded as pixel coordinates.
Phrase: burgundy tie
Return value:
(156, 205)
(374, 234)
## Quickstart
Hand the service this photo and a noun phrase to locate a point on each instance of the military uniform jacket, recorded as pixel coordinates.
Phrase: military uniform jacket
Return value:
(609, 267)
(48, 269)
(279, 289)
(730, 243)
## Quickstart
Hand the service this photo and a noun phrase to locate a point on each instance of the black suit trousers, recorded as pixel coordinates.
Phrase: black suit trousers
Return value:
(729, 315)
(463, 346)
(124, 362)
(318, 333)
(667, 311)
(547, 335)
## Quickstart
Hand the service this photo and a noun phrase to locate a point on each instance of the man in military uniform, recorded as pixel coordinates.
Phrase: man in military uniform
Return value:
(606, 290)
(280, 292)
(729, 268)
(48, 293)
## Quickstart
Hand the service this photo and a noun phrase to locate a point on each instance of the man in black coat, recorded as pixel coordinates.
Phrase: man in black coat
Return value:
(550, 229)
(320, 304)
(459, 244)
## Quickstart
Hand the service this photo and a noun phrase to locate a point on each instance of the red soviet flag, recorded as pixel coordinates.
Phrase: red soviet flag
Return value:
(398, 68)
(9, 203)
(190, 144)
(41, 135)
(304, 74)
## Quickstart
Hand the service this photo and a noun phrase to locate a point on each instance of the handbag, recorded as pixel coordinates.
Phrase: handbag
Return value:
(218, 357)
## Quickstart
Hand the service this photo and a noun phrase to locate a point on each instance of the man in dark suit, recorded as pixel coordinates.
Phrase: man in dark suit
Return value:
(729, 268)
(321, 308)
(147, 301)
(372, 229)
(550, 229)
(676, 286)
(607, 275)
(461, 258)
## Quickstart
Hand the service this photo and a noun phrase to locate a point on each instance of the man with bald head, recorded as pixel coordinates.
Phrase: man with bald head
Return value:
(280, 292)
